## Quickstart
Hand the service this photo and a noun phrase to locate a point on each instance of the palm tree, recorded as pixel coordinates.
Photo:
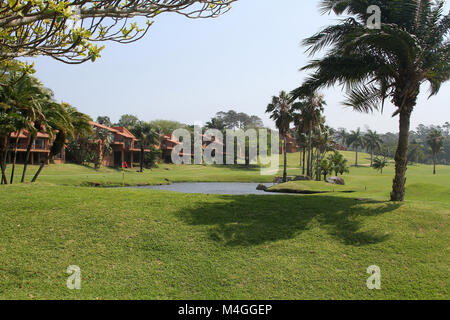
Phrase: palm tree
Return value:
(21, 97)
(410, 47)
(65, 122)
(341, 136)
(435, 140)
(147, 136)
(324, 143)
(373, 142)
(300, 137)
(280, 112)
(379, 164)
(356, 140)
(311, 107)
(338, 163)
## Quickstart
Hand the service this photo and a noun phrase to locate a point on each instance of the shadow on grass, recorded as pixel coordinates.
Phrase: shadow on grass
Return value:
(254, 220)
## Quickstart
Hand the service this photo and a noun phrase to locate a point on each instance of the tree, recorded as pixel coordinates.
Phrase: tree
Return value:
(104, 120)
(338, 163)
(301, 138)
(311, 107)
(65, 122)
(324, 143)
(410, 47)
(216, 123)
(128, 121)
(436, 141)
(23, 97)
(373, 142)
(280, 111)
(67, 30)
(341, 136)
(237, 120)
(325, 168)
(147, 137)
(356, 140)
(167, 126)
(379, 164)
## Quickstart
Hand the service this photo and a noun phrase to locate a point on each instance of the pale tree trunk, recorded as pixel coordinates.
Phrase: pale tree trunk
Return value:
(356, 159)
(398, 187)
(310, 156)
(371, 158)
(318, 177)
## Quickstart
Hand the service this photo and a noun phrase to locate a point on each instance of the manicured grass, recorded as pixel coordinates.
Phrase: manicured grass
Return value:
(150, 244)
(308, 187)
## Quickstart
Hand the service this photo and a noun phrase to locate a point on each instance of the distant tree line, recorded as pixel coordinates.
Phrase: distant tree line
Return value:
(427, 144)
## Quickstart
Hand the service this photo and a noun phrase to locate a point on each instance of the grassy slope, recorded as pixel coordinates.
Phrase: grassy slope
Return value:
(155, 244)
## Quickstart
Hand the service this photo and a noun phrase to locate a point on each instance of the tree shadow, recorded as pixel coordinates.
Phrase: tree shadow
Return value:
(254, 220)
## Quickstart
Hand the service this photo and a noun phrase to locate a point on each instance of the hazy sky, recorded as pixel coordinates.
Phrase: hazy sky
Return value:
(187, 70)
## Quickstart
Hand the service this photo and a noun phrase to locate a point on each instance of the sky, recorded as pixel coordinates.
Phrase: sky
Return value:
(187, 70)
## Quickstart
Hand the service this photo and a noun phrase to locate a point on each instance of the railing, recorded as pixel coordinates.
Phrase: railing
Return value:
(24, 146)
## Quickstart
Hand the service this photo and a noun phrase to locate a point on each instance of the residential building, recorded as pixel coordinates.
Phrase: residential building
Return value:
(125, 147)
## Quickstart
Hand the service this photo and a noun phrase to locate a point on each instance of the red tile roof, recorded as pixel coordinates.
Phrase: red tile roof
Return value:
(117, 130)
(25, 134)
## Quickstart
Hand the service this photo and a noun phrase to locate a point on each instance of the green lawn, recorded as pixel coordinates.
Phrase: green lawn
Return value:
(149, 244)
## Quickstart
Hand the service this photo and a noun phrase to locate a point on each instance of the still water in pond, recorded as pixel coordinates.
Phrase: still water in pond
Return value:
(213, 188)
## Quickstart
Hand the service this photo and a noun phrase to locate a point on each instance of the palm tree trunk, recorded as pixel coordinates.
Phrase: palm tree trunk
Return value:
(13, 168)
(285, 159)
(4, 180)
(304, 158)
(2, 168)
(27, 158)
(300, 159)
(308, 169)
(434, 163)
(318, 177)
(43, 162)
(371, 158)
(141, 160)
(4, 155)
(356, 159)
(398, 187)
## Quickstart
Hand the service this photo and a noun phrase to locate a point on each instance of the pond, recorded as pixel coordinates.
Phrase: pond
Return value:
(227, 188)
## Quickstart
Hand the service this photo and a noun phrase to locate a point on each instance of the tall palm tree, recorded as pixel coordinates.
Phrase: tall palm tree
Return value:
(435, 140)
(410, 47)
(311, 107)
(280, 111)
(356, 140)
(147, 136)
(324, 143)
(64, 122)
(300, 137)
(21, 96)
(36, 121)
(372, 142)
(341, 136)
